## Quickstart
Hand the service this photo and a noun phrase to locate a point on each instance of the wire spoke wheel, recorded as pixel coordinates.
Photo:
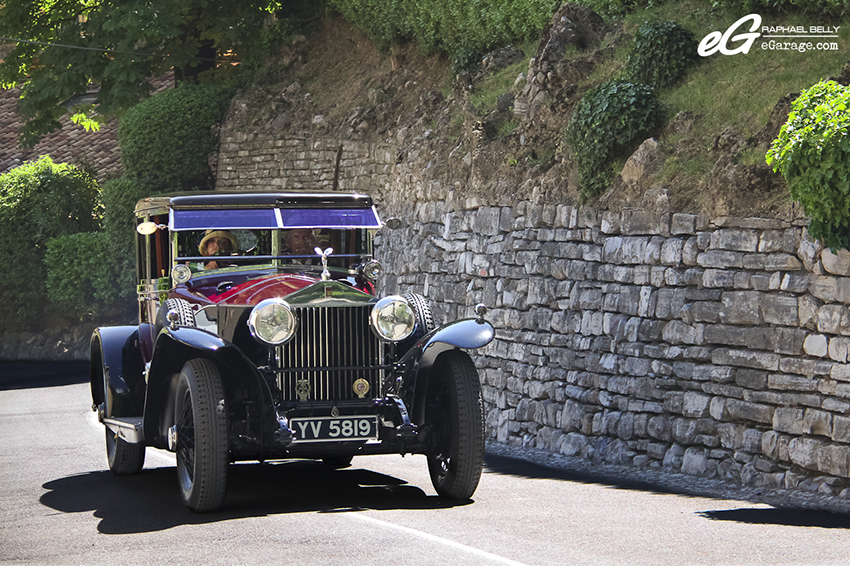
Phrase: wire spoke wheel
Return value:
(202, 444)
(456, 417)
(186, 441)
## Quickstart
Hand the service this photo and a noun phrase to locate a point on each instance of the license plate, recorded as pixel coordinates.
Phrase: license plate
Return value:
(334, 429)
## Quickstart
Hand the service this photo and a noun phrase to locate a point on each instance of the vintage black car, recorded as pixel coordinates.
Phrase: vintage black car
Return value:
(261, 336)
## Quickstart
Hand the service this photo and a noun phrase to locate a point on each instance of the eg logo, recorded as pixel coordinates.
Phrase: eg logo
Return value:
(715, 41)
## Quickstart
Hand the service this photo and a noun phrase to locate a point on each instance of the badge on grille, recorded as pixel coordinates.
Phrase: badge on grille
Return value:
(361, 387)
(302, 389)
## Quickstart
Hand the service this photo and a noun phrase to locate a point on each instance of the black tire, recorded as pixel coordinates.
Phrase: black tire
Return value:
(124, 458)
(202, 445)
(185, 314)
(337, 462)
(455, 413)
(424, 320)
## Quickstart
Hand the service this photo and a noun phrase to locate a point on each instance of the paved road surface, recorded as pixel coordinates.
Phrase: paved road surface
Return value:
(60, 505)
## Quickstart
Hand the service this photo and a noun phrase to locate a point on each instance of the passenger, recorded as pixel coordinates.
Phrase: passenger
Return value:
(218, 243)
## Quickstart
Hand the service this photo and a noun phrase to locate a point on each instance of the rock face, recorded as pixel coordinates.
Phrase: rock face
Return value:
(572, 25)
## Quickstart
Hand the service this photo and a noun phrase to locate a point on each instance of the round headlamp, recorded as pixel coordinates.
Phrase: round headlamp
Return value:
(393, 319)
(371, 270)
(181, 273)
(272, 321)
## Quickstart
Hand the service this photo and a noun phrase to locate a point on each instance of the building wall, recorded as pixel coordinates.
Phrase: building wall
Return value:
(714, 347)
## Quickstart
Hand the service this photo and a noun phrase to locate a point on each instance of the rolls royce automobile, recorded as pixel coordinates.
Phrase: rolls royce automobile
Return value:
(261, 336)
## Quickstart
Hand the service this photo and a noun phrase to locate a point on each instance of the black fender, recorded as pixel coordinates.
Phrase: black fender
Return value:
(243, 384)
(116, 371)
(420, 360)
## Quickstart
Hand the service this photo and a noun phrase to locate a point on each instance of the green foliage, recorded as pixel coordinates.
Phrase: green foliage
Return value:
(617, 8)
(40, 200)
(119, 200)
(79, 278)
(269, 39)
(608, 121)
(116, 46)
(817, 7)
(660, 53)
(167, 139)
(620, 8)
(812, 153)
(459, 28)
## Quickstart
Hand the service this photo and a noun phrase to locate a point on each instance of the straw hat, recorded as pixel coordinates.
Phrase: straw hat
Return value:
(210, 234)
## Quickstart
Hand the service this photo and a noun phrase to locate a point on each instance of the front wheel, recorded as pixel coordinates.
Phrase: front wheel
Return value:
(124, 458)
(201, 430)
(456, 416)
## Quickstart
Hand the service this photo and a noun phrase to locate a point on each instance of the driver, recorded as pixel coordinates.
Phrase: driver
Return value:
(218, 243)
(300, 241)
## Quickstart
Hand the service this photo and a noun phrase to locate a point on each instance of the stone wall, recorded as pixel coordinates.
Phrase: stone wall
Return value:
(713, 347)
(55, 344)
(271, 163)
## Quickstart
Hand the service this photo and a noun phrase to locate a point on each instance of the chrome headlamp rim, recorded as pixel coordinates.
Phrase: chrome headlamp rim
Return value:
(276, 331)
(371, 270)
(181, 273)
(393, 319)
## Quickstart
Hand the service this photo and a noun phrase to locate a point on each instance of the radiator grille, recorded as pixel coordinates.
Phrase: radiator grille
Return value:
(332, 348)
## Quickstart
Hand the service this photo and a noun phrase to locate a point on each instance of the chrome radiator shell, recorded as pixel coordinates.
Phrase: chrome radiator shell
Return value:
(333, 347)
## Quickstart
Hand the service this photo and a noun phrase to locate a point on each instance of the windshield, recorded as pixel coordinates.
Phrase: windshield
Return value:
(216, 248)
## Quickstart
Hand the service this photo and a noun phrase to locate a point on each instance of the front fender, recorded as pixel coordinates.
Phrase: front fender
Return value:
(116, 371)
(243, 383)
(418, 362)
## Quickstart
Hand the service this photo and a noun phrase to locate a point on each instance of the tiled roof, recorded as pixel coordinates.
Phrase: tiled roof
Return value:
(71, 144)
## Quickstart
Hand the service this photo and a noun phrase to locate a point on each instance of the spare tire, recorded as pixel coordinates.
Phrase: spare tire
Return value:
(424, 320)
(185, 314)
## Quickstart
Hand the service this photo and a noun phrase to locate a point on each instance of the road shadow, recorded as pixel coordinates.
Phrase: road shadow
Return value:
(783, 517)
(31, 375)
(149, 501)
(521, 468)
(776, 515)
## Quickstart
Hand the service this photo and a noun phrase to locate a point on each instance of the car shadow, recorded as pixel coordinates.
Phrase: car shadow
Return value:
(777, 514)
(783, 517)
(149, 501)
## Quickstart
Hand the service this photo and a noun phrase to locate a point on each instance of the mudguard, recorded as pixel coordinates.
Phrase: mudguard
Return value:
(173, 348)
(116, 371)
(418, 362)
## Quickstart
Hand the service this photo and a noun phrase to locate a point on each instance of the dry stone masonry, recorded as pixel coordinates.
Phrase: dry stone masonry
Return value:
(713, 347)
(716, 349)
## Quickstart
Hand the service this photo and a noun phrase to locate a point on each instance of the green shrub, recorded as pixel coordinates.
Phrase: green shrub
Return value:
(79, 279)
(167, 139)
(119, 200)
(457, 28)
(660, 53)
(40, 200)
(816, 7)
(608, 121)
(617, 8)
(812, 153)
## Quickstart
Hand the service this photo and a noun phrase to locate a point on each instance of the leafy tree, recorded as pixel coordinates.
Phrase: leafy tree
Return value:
(40, 200)
(167, 139)
(64, 47)
(812, 153)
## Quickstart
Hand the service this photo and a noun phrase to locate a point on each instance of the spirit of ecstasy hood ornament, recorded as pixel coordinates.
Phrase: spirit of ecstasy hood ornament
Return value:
(326, 275)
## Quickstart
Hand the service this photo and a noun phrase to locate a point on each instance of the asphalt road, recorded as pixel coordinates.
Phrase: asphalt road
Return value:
(60, 505)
